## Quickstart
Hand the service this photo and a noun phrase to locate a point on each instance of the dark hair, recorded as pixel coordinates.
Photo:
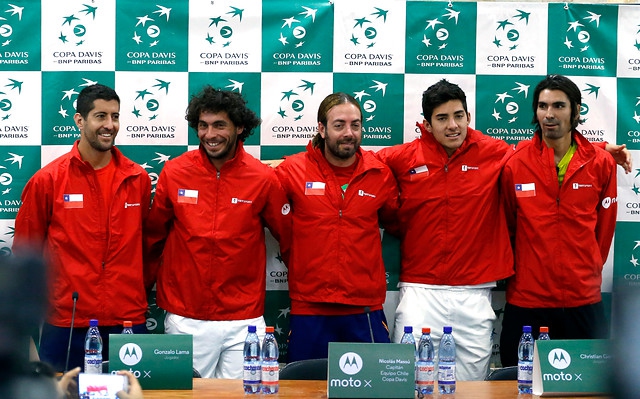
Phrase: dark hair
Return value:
(87, 96)
(565, 85)
(214, 101)
(440, 93)
(326, 105)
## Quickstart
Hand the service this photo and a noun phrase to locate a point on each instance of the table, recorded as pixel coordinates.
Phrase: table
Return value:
(205, 388)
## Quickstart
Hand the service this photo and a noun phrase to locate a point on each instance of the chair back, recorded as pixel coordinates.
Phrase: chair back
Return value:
(310, 369)
(503, 374)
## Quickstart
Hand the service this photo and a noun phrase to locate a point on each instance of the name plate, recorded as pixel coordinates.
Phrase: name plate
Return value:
(159, 361)
(571, 367)
(361, 370)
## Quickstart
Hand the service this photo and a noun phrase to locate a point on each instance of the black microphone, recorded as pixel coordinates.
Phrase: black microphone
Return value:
(367, 311)
(73, 317)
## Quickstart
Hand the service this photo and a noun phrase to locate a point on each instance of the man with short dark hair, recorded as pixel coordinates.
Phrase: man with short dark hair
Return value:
(455, 244)
(205, 234)
(561, 203)
(84, 213)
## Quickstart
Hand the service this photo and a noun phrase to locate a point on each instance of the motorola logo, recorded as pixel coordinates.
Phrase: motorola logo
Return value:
(350, 363)
(130, 354)
(559, 358)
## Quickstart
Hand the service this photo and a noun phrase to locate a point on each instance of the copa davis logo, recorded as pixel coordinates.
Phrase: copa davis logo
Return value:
(634, 62)
(67, 109)
(591, 95)
(13, 18)
(577, 40)
(220, 34)
(146, 107)
(293, 32)
(9, 94)
(435, 39)
(633, 208)
(369, 98)
(350, 363)
(6, 180)
(506, 38)
(5, 248)
(509, 106)
(147, 34)
(633, 135)
(153, 174)
(634, 278)
(364, 36)
(72, 31)
(291, 109)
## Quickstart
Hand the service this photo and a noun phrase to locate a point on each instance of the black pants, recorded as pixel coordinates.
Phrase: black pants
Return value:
(582, 322)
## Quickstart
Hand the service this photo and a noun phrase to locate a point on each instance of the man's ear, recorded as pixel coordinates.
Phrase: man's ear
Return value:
(322, 130)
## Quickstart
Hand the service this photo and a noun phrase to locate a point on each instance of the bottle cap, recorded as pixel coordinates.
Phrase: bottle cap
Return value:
(127, 324)
(269, 329)
(526, 329)
(544, 329)
(426, 330)
(252, 329)
(93, 323)
(447, 329)
(408, 329)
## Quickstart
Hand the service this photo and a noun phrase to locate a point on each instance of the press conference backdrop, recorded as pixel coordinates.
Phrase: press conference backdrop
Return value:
(284, 57)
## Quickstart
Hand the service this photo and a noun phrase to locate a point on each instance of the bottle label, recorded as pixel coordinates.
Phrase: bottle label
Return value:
(525, 372)
(251, 373)
(93, 364)
(446, 374)
(270, 374)
(424, 374)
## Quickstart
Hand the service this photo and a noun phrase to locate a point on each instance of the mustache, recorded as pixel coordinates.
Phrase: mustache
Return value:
(347, 140)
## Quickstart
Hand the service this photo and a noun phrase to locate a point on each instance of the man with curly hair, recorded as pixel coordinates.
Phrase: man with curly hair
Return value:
(205, 239)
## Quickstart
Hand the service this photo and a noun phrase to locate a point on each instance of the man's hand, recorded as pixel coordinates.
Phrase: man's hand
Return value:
(621, 155)
(135, 390)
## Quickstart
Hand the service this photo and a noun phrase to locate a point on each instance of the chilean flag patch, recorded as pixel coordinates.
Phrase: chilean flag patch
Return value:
(525, 190)
(314, 188)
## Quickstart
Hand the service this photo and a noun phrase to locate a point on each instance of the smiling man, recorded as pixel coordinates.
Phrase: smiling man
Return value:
(455, 244)
(561, 201)
(84, 213)
(205, 238)
(339, 196)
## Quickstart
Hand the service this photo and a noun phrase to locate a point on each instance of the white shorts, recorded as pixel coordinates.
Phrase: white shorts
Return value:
(467, 310)
(217, 345)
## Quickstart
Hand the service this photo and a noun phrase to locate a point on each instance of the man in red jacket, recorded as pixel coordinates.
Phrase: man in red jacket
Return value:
(84, 213)
(205, 236)
(561, 202)
(339, 196)
(455, 244)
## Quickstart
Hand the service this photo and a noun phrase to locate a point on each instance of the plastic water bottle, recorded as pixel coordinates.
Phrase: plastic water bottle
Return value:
(424, 364)
(251, 366)
(525, 361)
(447, 362)
(126, 327)
(544, 334)
(407, 338)
(93, 349)
(270, 366)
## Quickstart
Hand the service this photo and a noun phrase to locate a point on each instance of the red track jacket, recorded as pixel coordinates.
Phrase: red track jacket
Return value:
(102, 263)
(336, 254)
(562, 234)
(453, 226)
(205, 237)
